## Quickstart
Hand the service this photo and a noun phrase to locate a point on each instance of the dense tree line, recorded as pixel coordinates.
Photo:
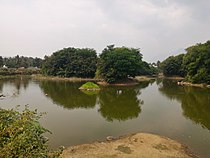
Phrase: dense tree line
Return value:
(113, 64)
(194, 65)
(71, 62)
(20, 61)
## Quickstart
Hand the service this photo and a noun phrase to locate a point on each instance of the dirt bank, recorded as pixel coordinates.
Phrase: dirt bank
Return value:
(193, 85)
(139, 145)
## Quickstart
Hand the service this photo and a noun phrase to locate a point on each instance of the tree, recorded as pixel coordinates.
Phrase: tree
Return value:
(1, 61)
(71, 62)
(172, 66)
(119, 63)
(197, 63)
(21, 61)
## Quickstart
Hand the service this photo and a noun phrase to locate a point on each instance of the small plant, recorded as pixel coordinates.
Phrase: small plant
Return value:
(89, 86)
(21, 135)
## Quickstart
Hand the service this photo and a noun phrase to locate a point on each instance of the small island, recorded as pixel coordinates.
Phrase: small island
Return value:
(90, 86)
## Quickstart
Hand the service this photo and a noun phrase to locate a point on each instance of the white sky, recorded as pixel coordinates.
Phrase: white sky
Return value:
(160, 28)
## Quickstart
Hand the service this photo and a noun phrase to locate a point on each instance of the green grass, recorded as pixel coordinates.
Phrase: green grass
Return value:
(90, 85)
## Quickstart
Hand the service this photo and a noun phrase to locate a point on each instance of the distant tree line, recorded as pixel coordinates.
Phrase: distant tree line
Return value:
(20, 61)
(194, 65)
(113, 64)
(71, 62)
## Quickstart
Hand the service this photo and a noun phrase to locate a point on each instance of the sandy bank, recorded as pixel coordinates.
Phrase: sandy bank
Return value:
(193, 85)
(140, 145)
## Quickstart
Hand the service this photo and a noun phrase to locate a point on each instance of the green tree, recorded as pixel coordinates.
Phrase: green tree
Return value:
(1, 61)
(119, 63)
(197, 63)
(71, 62)
(172, 66)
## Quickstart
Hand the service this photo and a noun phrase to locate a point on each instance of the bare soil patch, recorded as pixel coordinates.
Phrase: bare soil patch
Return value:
(140, 145)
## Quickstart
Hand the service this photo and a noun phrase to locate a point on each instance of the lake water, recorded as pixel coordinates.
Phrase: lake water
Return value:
(75, 117)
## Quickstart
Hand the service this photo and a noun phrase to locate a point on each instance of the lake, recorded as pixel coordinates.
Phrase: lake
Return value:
(74, 117)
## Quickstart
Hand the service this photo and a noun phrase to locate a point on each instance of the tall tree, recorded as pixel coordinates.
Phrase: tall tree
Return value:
(71, 62)
(1, 61)
(119, 63)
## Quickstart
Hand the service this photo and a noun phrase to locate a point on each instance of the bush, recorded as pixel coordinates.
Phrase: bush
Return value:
(21, 135)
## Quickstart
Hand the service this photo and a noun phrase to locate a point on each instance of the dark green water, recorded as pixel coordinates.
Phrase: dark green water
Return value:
(75, 117)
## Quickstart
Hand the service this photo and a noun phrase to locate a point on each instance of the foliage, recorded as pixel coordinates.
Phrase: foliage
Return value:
(172, 66)
(71, 62)
(1, 61)
(14, 71)
(89, 85)
(147, 69)
(197, 63)
(194, 65)
(21, 61)
(119, 63)
(21, 135)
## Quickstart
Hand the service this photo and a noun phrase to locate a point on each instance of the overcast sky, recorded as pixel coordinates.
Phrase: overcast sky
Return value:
(158, 27)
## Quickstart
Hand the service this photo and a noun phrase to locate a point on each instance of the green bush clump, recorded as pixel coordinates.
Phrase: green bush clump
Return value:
(89, 85)
(21, 135)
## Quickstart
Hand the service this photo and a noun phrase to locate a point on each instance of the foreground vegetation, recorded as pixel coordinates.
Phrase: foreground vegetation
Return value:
(21, 135)
(194, 66)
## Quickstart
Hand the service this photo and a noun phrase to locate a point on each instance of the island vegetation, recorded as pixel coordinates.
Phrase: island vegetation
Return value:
(90, 86)
(113, 64)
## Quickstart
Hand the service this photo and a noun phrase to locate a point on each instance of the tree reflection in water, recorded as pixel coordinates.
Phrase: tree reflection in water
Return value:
(16, 82)
(67, 94)
(121, 103)
(195, 102)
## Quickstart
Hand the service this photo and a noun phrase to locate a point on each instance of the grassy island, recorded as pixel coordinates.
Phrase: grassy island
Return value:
(90, 86)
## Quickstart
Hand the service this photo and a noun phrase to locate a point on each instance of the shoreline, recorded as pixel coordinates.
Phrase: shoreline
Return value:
(182, 83)
(55, 78)
(132, 145)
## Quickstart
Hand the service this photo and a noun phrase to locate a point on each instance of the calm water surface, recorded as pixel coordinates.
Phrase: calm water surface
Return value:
(75, 117)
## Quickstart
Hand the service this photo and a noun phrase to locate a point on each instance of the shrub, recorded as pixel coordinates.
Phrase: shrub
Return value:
(21, 135)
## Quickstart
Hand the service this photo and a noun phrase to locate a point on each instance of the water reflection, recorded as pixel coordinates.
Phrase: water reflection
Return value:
(195, 102)
(16, 83)
(67, 94)
(121, 103)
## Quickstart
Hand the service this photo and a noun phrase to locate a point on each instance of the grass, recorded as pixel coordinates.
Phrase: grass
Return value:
(90, 86)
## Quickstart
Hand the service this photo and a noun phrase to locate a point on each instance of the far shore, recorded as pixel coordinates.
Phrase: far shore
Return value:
(182, 83)
(56, 78)
(130, 146)
(128, 82)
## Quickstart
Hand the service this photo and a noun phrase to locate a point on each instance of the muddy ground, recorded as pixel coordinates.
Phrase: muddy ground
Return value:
(140, 145)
